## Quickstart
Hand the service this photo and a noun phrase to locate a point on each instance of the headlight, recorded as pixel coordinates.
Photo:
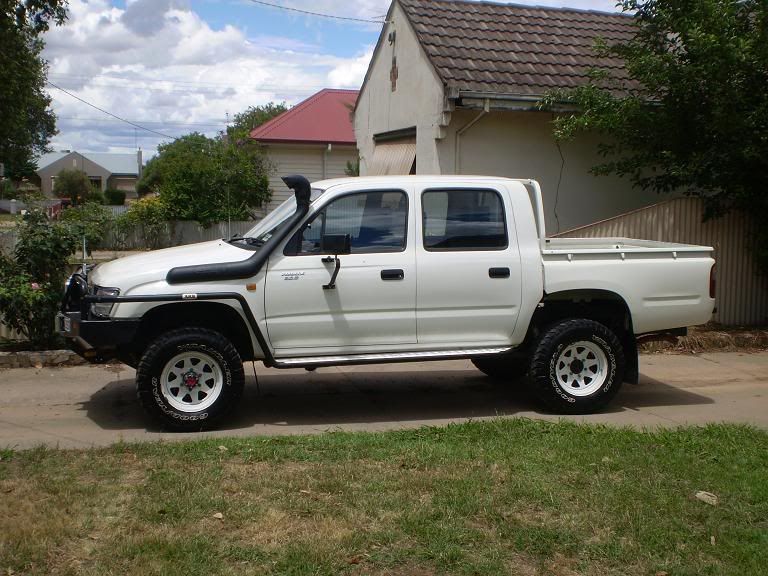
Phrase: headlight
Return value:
(103, 310)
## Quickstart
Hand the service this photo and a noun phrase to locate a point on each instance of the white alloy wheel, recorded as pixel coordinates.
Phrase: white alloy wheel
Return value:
(191, 381)
(582, 368)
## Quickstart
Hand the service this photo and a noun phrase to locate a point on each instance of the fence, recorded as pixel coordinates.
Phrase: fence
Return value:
(168, 235)
(52, 207)
(173, 234)
(8, 334)
(7, 240)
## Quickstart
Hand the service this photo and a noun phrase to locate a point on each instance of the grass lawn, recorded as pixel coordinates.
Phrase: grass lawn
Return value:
(503, 497)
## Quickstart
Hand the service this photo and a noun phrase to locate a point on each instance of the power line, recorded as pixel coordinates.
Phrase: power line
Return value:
(319, 14)
(160, 122)
(110, 113)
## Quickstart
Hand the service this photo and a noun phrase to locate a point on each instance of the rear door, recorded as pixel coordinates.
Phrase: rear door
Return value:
(374, 302)
(469, 284)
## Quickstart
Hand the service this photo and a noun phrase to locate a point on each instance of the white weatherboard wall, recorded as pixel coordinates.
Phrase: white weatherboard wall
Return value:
(521, 145)
(742, 294)
(314, 162)
(417, 101)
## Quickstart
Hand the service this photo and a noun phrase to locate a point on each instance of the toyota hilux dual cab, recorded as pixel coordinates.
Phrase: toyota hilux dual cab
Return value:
(388, 269)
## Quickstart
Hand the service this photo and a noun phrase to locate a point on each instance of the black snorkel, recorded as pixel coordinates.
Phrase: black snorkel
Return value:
(250, 267)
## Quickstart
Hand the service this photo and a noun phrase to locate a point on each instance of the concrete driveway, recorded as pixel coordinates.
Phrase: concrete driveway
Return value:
(96, 405)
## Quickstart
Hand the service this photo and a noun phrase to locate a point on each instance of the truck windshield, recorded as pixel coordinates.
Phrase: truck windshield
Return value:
(266, 228)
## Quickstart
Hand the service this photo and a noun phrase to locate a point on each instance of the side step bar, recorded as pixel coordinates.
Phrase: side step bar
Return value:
(359, 359)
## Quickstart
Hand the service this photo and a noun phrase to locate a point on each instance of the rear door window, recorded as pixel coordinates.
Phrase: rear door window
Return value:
(463, 220)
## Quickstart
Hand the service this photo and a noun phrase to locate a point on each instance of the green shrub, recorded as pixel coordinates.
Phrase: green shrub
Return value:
(96, 196)
(90, 220)
(151, 215)
(31, 284)
(74, 185)
(115, 197)
(7, 190)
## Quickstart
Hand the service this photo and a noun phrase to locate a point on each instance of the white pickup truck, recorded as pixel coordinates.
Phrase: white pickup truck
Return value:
(388, 269)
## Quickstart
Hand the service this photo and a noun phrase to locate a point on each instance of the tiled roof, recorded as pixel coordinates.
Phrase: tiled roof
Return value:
(513, 49)
(323, 118)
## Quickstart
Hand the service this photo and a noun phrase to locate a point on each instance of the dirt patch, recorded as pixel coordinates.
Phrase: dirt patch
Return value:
(713, 338)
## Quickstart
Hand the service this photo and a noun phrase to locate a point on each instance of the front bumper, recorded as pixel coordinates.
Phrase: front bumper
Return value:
(97, 340)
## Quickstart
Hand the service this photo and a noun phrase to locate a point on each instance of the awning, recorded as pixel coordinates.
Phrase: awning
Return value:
(395, 158)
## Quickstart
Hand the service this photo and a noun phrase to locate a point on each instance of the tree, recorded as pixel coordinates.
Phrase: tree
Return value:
(691, 114)
(73, 184)
(244, 122)
(208, 179)
(26, 123)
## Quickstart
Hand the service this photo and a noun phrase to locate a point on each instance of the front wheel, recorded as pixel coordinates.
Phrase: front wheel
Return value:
(190, 379)
(577, 367)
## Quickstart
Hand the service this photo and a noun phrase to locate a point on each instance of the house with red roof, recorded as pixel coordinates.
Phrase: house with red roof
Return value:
(314, 138)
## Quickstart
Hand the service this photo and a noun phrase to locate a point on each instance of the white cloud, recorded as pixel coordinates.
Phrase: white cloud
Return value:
(351, 73)
(161, 64)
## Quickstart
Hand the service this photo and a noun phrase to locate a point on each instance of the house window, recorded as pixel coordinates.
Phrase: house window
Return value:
(463, 220)
(375, 221)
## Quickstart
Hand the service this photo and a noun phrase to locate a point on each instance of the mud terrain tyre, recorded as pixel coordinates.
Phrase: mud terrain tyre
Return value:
(577, 367)
(190, 379)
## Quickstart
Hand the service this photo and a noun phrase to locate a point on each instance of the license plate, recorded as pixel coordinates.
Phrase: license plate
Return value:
(65, 324)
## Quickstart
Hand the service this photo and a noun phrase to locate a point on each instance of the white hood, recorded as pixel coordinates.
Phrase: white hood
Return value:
(131, 271)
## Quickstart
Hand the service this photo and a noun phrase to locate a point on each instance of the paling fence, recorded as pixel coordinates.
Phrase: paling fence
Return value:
(172, 234)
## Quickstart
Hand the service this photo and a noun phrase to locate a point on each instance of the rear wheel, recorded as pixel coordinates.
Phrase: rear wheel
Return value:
(190, 379)
(577, 367)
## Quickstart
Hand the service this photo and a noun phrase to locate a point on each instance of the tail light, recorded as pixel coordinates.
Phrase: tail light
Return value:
(713, 282)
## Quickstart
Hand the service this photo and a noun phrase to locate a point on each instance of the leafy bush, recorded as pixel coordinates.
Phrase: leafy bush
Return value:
(74, 185)
(31, 284)
(151, 215)
(96, 196)
(7, 190)
(90, 220)
(208, 180)
(115, 197)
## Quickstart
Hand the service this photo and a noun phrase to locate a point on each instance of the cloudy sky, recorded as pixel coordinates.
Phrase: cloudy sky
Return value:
(177, 66)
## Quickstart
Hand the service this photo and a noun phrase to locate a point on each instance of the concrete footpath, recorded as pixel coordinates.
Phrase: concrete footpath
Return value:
(96, 405)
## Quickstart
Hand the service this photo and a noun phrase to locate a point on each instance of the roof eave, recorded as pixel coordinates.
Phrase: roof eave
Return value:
(304, 142)
(504, 101)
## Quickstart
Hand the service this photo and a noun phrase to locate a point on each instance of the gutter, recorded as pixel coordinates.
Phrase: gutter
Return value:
(514, 102)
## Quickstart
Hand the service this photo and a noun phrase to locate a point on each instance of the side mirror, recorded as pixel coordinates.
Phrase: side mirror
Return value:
(336, 244)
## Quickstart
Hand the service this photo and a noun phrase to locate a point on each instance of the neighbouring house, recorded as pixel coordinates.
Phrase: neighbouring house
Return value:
(314, 138)
(453, 88)
(105, 170)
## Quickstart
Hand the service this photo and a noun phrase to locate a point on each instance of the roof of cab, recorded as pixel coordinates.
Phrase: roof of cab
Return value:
(428, 179)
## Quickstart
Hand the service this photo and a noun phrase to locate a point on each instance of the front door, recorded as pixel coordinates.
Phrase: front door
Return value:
(469, 285)
(374, 301)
